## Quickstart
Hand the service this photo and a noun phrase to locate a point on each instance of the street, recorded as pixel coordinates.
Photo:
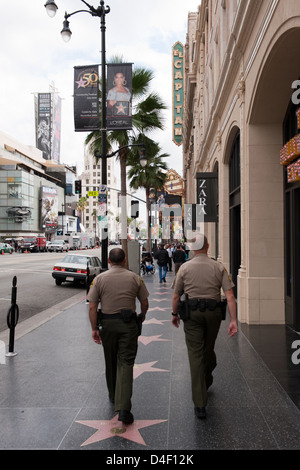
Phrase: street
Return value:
(36, 289)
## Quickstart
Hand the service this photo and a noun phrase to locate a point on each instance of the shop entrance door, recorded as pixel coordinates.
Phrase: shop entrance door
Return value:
(292, 257)
(235, 211)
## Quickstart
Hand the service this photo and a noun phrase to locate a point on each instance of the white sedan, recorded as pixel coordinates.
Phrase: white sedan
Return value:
(58, 245)
(77, 268)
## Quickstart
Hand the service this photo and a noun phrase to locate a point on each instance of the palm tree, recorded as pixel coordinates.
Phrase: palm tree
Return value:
(148, 177)
(81, 206)
(146, 117)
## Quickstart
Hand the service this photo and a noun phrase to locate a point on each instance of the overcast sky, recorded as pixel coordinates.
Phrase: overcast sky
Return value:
(33, 56)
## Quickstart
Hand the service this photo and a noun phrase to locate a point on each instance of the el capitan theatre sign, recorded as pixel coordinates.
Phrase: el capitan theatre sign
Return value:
(178, 89)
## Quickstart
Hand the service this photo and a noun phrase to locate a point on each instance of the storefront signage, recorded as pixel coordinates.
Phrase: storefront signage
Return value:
(289, 153)
(293, 172)
(178, 90)
(207, 197)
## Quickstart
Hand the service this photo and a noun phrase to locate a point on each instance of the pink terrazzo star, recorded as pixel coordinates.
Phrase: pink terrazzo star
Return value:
(154, 321)
(139, 369)
(149, 339)
(113, 427)
(162, 309)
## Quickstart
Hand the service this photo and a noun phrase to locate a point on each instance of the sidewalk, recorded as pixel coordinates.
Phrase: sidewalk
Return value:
(53, 393)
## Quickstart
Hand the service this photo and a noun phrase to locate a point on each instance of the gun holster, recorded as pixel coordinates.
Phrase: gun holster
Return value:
(183, 309)
(139, 321)
(127, 314)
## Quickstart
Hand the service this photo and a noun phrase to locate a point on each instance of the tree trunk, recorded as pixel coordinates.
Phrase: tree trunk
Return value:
(122, 155)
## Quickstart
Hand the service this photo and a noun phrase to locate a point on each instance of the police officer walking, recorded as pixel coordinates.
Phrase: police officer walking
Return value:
(117, 289)
(201, 279)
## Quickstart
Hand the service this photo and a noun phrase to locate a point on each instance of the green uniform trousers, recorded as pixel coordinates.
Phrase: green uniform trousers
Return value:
(120, 342)
(201, 331)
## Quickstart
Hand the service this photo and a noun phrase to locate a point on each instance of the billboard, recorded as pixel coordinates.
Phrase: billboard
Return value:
(86, 98)
(48, 209)
(119, 96)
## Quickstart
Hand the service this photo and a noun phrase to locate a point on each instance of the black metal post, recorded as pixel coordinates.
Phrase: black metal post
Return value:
(12, 317)
(104, 231)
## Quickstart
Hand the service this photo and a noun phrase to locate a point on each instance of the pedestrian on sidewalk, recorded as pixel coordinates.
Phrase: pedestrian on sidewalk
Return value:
(162, 258)
(169, 250)
(201, 279)
(178, 257)
(117, 290)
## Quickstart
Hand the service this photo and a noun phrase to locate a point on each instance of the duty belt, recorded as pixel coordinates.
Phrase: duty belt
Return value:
(124, 314)
(203, 304)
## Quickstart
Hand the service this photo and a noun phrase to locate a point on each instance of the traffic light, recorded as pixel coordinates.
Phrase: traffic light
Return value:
(134, 209)
(78, 187)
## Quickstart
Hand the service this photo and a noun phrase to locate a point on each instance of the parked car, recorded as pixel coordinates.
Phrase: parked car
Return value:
(33, 244)
(75, 267)
(6, 248)
(58, 245)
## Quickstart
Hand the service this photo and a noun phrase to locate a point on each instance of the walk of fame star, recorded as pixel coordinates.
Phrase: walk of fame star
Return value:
(113, 427)
(139, 369)
(148, 339)
(154, 321)
(158, 300)
(162, 309)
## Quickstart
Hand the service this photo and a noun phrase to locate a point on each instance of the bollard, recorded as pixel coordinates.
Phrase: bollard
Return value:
(87, 281)
(12, 318)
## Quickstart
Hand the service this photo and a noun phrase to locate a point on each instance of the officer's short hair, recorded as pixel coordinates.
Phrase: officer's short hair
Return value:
(117, 255)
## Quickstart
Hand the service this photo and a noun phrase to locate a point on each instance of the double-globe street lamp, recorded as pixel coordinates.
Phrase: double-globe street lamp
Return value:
(100, 12)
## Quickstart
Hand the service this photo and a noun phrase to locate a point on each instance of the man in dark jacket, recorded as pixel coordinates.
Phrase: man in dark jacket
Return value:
(178, 257)
(162, 258)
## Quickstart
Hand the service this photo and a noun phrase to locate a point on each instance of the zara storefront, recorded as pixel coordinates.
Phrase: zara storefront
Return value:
(241, 100)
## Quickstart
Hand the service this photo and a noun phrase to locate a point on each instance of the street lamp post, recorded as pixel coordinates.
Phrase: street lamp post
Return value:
(99, 12)
(66, 33)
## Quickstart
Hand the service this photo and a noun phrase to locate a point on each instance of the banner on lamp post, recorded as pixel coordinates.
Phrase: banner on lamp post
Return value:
(119, 97)
(86, 98)
(44, 128)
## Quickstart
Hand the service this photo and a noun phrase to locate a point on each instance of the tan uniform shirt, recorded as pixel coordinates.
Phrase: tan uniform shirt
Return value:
(116, 289)
(202, 278)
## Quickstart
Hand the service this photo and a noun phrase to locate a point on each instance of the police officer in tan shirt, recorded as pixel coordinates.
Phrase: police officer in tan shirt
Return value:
(117, 290)
(202, 278)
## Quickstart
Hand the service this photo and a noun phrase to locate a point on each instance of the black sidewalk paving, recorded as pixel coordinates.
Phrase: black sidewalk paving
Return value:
(53, 392)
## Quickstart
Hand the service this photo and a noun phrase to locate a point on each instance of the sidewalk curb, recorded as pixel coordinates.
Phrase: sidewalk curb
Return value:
(30, 324)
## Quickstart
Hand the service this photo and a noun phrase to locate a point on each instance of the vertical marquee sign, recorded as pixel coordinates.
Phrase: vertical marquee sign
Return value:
(178, 90)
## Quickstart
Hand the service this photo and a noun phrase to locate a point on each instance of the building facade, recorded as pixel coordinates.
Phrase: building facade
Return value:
(90, 183)
(242, 72)
(35, 193)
